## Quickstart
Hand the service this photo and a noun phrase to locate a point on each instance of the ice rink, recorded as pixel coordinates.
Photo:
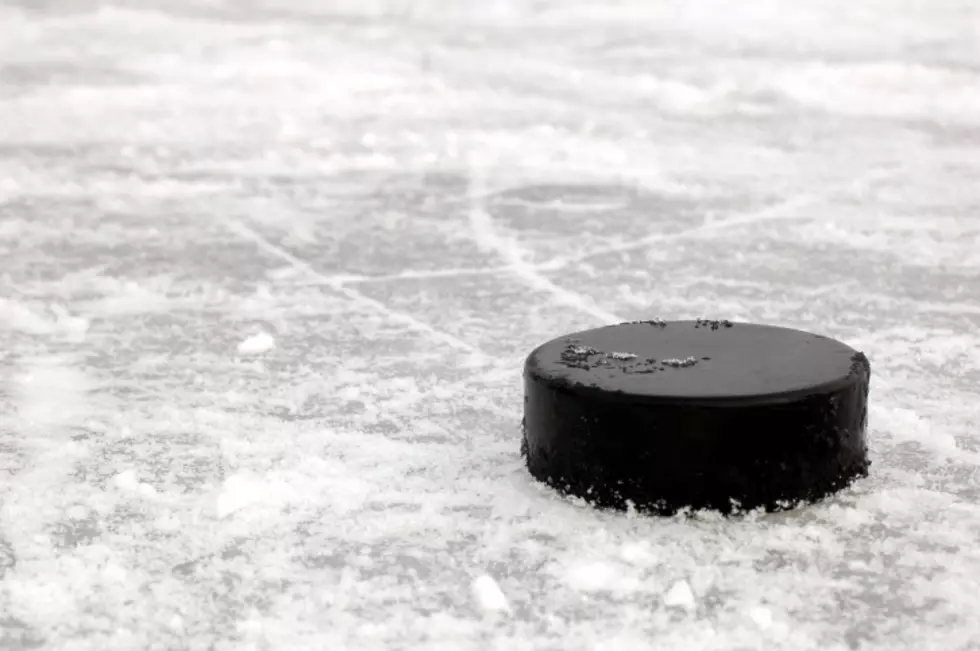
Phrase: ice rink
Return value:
(269, 270)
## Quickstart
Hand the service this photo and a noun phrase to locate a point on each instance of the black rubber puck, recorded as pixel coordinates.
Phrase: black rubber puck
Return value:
(696, 414)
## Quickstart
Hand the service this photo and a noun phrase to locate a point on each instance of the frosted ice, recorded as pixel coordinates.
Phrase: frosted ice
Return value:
(389, 204)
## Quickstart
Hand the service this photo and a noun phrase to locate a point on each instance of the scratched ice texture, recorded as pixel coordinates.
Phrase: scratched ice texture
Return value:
(269, 269)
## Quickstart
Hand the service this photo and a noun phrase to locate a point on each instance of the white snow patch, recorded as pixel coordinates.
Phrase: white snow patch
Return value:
(257, 344)
(127, 481)
(74, 326)
(887, 89)
(488, 595)
(680, 363)
(283, 273)
(114, 573)
(680, 596)
(167, 522)
(625, 641)
(598, 576)
(762, 616)
(21, 318)
(243, 490)
(472, 360)
(176, 623)
(637, 553)
(237, 493)
(622, 356)
(50, 397)
(53, 393)
(902, 425)
(349, 393)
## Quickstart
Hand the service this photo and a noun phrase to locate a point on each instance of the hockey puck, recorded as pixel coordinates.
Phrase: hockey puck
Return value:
(663, 416)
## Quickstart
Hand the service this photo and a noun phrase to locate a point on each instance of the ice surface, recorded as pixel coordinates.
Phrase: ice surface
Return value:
(407, 196)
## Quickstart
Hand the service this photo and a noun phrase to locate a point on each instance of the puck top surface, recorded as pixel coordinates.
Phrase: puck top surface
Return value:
(696, 360)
